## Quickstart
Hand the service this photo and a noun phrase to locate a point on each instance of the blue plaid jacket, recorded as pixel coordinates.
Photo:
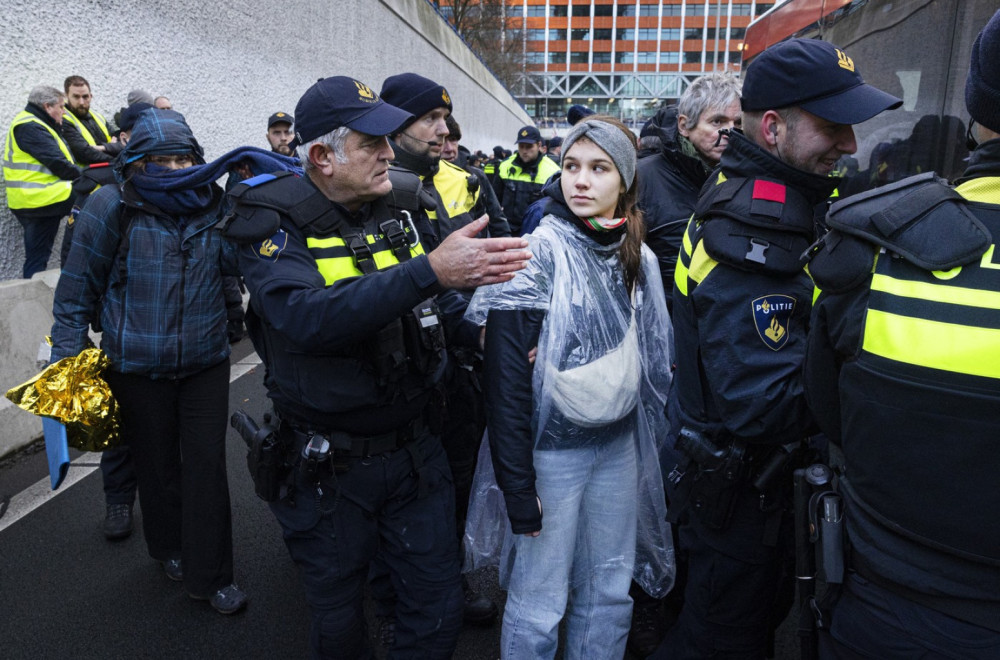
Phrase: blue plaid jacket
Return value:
(163, 314)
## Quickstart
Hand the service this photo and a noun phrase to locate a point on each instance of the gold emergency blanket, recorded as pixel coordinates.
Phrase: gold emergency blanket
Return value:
(72, 392)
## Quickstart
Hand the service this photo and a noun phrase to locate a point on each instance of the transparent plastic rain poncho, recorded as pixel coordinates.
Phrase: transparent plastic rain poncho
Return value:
(601, 357)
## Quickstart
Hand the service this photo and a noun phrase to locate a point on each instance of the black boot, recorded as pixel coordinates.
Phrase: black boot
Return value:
(648, 624)
(480, 610)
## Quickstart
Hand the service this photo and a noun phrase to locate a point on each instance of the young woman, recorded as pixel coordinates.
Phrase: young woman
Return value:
(146, 263)
(574, 433)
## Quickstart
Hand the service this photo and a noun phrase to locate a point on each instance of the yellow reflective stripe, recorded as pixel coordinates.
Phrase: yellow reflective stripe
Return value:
(981, 189)
(681, 268)
(681, 276)
(933, 344)
(954, 295)
(337, 268)
(701, 263)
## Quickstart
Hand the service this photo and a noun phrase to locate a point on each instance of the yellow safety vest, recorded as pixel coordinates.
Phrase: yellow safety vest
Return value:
(452, 185)
(31, 185)
(101, 123)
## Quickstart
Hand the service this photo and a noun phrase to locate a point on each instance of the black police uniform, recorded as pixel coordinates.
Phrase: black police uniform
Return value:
(340, 313)
(903, 370)
(741, 307)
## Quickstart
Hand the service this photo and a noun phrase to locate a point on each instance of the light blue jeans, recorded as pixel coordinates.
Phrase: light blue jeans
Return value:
(581, 564)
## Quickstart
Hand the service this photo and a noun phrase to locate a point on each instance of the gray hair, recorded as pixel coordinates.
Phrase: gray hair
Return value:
(43, 95)
(713, 90)
(335, 139)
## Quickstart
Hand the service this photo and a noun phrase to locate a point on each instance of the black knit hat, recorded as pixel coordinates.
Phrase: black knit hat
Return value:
(982, 87)
(415, 94)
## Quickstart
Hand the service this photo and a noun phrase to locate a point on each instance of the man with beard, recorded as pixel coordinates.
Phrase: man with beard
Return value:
(741, 311)
(85, 131)
(280, 133)
(418, 145)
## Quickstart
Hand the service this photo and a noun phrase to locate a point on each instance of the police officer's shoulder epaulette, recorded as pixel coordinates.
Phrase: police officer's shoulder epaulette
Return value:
(839, 262)
(408, 193)
(755, 224)
(920, 218)
(258, 204)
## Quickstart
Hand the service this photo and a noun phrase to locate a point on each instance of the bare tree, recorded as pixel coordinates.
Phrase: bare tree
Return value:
(494, 31)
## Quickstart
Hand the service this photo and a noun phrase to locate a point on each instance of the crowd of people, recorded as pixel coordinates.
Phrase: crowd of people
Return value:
(655, 335)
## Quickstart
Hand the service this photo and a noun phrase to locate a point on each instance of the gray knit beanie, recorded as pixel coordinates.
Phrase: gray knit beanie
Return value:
(982, 87)
(610, 139)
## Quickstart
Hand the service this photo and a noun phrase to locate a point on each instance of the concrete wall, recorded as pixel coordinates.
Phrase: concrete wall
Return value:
(228, 65)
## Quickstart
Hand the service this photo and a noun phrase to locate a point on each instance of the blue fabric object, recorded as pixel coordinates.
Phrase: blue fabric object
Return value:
(56, 449)
(533, 216)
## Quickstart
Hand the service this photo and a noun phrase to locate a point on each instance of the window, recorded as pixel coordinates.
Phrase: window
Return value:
(672, 10)
(670, 57)
(553, 35)
(557, 57)
(602, 34)
(626, 10)
(577, 57)
(580, 34)
(670, 33)
(625, 34)
(649, 10)
(539, 10)
(535, 58)
(646, 57)
(624, 58)
(602, 57)
(692, 57)
(604, 10)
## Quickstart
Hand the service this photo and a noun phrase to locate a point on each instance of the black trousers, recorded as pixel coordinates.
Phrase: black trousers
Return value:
(176, 431)
(401, 505)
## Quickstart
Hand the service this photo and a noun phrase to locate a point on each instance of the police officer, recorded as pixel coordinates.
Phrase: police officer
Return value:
(741, 308)
(908, 310)
(342, 312)
(418, 146)
(519, 178)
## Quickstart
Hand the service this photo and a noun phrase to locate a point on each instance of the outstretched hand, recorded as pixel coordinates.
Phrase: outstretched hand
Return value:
(463, 261)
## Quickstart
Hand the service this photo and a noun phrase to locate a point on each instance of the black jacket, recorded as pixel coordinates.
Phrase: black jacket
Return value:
(918, 414)
(82, 151)
(739, 360)
(669, 183)
(316, 340)
(38, 142)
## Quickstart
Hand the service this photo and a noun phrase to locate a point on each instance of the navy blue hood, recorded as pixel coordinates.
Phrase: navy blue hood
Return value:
(159, 132)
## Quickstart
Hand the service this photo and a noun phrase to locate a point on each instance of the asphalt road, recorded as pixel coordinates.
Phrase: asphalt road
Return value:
(66, 592)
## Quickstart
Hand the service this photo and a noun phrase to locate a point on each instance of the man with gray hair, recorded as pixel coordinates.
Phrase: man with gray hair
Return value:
(343, 311)
(38, 170)
(692, 145)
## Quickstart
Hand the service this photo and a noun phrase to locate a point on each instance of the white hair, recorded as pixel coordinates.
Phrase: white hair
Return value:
(335, 139)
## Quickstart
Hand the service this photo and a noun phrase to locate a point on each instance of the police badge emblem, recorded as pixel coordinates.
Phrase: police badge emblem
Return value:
(772, 315)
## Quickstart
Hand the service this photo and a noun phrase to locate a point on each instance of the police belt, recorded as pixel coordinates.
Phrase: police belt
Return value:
(358, 446)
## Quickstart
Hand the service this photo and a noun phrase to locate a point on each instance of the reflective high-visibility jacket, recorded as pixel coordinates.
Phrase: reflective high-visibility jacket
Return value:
(101, 122)
(519, 185)
(30, 184)
(904, 373)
